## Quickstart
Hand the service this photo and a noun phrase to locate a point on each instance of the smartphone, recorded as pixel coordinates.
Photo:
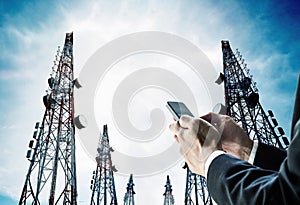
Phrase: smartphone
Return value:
(178, 109)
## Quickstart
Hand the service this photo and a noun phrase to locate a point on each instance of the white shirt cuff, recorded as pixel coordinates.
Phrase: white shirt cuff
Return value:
(253, 152)
(210, 159)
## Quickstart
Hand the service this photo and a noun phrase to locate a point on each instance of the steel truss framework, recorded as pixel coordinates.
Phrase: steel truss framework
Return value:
(242, 101)
(103, 184)
(52, 170)
(196, 189)
(168, 196)
(129, 195)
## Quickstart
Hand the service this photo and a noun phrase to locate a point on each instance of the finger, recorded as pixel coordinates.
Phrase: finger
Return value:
(181, 151)
(185, 121)
(174, 127)
(213, 118)
(207, 117)
(176, 138)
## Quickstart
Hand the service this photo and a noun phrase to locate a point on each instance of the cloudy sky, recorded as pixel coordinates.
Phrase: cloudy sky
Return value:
(266, 33)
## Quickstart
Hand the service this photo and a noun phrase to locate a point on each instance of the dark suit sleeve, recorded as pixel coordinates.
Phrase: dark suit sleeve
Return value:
(269, 157)
(296, 113)
(234, 181)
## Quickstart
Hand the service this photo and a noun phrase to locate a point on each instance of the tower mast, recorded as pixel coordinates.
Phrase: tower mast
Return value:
(242, 101)
(52, 170)
(168, 195)
(196, 192)
(129, 195)
(103, 184)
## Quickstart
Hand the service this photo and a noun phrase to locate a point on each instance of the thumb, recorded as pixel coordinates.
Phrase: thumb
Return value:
(185, 120)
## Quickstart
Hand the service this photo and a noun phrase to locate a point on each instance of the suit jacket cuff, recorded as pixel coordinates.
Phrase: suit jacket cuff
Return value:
(253, 152)
(210, 159)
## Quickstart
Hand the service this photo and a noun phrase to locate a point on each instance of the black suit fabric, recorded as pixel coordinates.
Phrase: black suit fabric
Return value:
(232, 181)
(269, 157)
(296, 114)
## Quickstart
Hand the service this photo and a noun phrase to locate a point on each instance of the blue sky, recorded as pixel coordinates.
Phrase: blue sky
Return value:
(266, 32)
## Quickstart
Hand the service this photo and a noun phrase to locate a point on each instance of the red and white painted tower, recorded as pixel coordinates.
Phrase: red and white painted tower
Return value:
(52, 172)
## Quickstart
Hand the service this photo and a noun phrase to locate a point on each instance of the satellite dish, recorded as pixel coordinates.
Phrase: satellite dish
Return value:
(252, 100)
(80, 121)
(220, 79)
(76, 83)
(220, 109)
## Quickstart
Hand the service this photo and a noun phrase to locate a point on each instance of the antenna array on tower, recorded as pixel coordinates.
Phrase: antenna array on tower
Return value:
(52, 172)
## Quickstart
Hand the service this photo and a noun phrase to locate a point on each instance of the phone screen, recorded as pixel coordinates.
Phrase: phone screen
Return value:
(178, 109)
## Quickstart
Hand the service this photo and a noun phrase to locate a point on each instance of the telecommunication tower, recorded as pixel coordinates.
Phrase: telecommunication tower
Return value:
(168, 196)
(242, 104)
(129, 195)
(196, 189)
(52, 172)
(242, 101)
(103, 184)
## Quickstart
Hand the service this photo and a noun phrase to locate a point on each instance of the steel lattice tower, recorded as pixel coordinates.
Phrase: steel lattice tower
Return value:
(103, 184)
(242, 101)
(129, 195)
(52, 170)
(168, 196)
(196, 190)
